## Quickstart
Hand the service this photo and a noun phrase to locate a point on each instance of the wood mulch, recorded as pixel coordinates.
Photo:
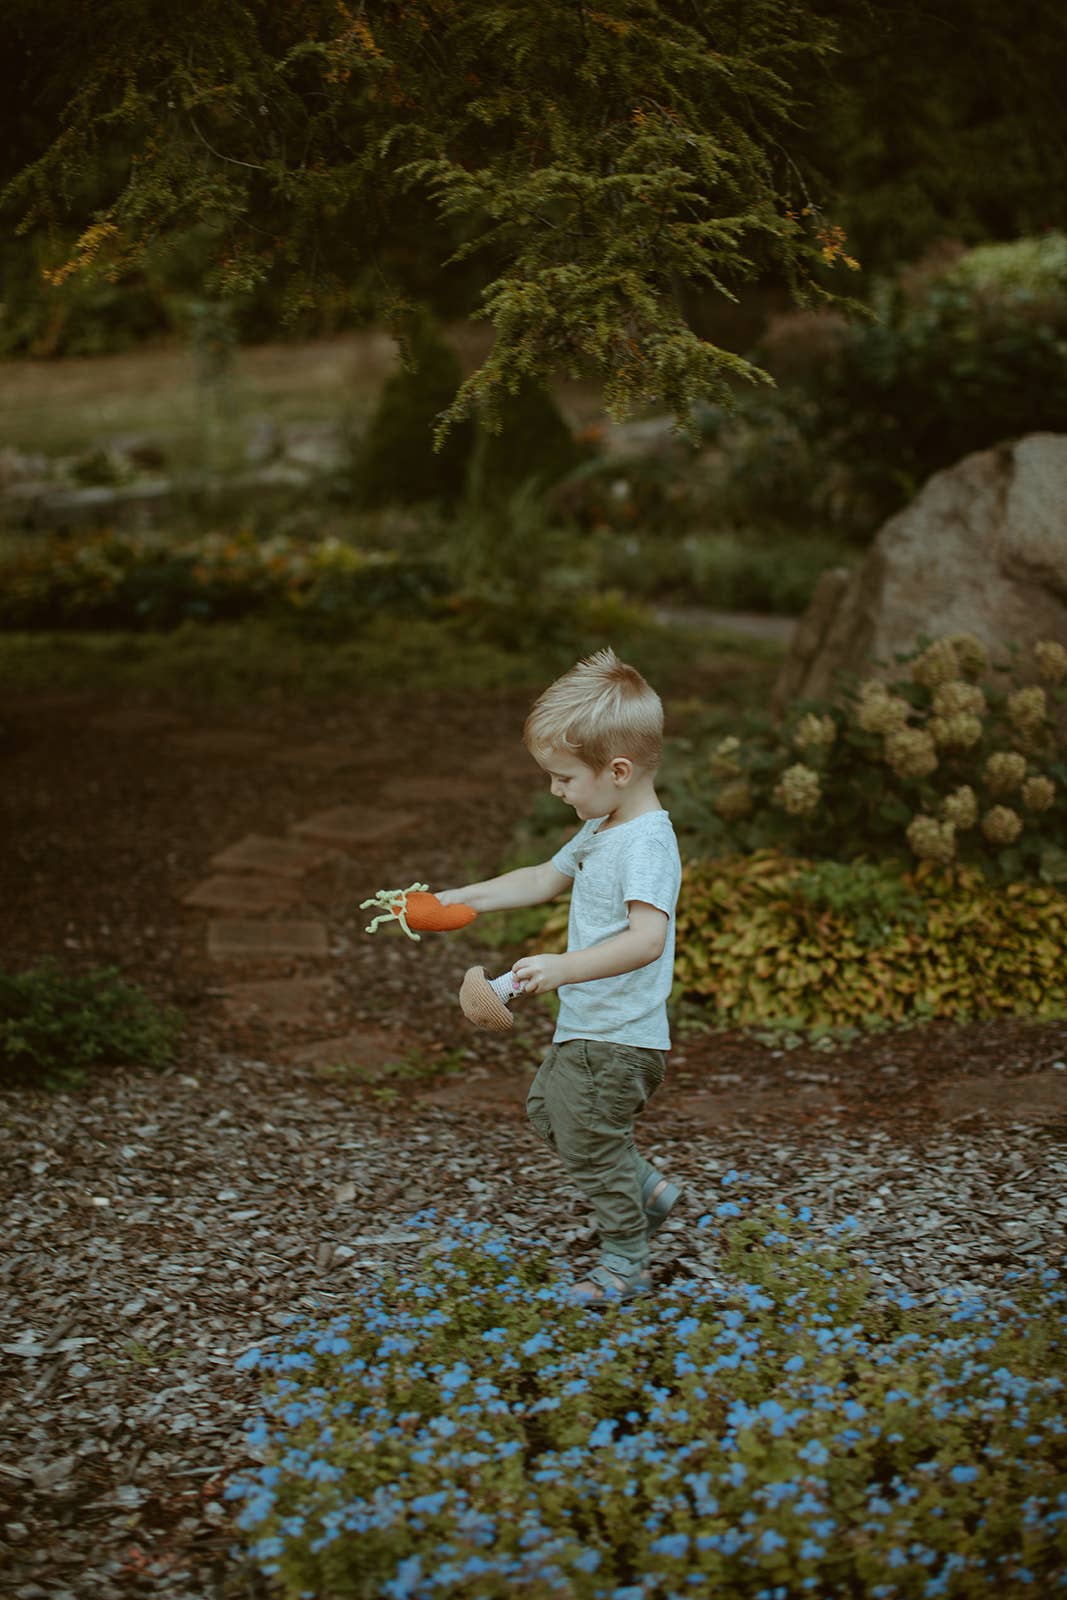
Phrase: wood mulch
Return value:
(159, 1225)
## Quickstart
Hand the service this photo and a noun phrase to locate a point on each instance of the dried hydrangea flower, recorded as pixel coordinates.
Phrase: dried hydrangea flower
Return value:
(814, 730)
(932, 840)
(884, 713)
(1004, 771)
(723, 761)
(1038, 794)
(798, 790)
(961, 807)
(1051, 660)
(911, 753)
(956, 733)
(1027, 709)
(971, 654)
(938, 664)
(958, 698)
(1002, 825)
(733, 801)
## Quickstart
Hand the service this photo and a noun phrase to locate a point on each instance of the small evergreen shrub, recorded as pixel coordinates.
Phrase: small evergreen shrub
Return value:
(528, 441)
(766, 940)
(395, 462)
(929, 765)
(54, 1027)
(458, 1431)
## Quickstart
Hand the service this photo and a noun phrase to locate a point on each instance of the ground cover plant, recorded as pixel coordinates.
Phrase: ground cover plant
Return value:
(770, 940)
(55, 1027)
(459, 1432)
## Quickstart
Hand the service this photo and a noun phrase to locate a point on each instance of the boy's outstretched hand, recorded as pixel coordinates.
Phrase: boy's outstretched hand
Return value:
(540, 974)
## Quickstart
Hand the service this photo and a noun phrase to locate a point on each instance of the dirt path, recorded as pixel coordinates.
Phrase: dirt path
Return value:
(160, 1225)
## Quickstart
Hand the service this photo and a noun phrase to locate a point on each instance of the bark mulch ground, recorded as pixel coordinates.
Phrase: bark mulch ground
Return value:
(158, 1225)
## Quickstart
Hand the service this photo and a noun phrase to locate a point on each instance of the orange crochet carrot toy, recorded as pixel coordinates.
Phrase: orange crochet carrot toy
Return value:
(415, 909)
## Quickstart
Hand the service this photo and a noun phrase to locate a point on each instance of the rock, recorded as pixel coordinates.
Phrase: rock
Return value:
(982, 550)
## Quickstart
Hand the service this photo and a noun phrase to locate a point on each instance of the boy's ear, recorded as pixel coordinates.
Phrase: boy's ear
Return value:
(622, 769)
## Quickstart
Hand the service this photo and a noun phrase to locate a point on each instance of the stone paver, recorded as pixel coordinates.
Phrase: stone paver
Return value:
(282, 858)
(370, 1049)
(1032, 1098)
(436, 790)
(242, 892)
(234, 938)
(282, 999)
(354, 825)
(232, 742)
(322, 757)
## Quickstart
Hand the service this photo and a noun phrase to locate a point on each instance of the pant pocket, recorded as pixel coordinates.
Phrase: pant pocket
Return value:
(618, 1076)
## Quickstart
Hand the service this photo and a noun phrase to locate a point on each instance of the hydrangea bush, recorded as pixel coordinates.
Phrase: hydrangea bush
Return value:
(460, 1431)
(930, 764)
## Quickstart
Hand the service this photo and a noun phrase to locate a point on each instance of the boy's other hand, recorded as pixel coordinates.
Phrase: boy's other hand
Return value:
(539, 974)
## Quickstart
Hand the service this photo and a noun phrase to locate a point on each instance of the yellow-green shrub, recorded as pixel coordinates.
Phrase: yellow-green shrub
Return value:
(768, 938)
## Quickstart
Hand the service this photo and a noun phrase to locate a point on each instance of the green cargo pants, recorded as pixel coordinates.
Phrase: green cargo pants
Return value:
(583, 1102)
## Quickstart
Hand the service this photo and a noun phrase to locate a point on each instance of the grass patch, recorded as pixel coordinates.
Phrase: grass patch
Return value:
(460, 1431)
(258, 660)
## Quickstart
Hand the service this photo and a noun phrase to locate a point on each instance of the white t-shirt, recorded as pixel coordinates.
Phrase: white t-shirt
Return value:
(636, 860)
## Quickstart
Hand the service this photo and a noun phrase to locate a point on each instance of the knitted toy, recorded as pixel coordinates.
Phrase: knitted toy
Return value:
(484, 1001)
(414, 909)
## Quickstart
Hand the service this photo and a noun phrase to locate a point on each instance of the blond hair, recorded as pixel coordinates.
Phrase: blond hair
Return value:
(600, 709)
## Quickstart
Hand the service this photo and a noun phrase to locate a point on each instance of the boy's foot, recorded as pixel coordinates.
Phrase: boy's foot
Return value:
(603, 1287)
(659, 1197)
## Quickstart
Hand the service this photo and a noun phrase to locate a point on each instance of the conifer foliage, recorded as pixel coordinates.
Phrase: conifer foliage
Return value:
(591, 156)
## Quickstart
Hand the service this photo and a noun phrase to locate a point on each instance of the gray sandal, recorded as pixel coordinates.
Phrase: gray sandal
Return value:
(606, 1287)
(658, 1210)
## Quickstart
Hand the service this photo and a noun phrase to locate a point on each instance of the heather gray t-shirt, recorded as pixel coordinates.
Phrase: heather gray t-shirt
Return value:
(635, 860)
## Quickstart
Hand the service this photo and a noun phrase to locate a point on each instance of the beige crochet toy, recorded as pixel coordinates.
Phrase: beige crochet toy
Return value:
(485, 1000)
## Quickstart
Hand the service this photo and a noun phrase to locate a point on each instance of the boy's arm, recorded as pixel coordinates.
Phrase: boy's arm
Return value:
(526, 886)
(641, 944)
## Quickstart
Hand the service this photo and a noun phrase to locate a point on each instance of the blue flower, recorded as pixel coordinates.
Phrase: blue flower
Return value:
(671, 1544)
(539, 1341)
(963, 1474)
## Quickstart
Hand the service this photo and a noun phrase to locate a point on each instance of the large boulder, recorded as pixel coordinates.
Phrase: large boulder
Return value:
(982, 550)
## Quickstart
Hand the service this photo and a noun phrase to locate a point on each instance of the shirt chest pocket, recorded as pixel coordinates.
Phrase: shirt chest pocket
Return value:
(600, 904)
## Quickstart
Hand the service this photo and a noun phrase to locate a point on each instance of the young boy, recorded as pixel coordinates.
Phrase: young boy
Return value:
(597, 733)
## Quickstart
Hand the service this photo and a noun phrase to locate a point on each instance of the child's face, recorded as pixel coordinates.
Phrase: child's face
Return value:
(592, 794)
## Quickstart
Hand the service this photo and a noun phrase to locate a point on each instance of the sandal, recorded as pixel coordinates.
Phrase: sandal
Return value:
(658, 1209)
(605, 1286)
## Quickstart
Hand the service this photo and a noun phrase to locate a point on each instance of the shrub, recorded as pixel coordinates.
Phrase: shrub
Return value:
(54, 1027)
(930, 764)
(459, 1432)
(770, 940)
(395, 462)
(962, 351)
(742, 569)
(529, 440)
(108, 580)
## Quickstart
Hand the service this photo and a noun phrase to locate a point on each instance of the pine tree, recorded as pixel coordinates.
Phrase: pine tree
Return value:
(591, 160)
